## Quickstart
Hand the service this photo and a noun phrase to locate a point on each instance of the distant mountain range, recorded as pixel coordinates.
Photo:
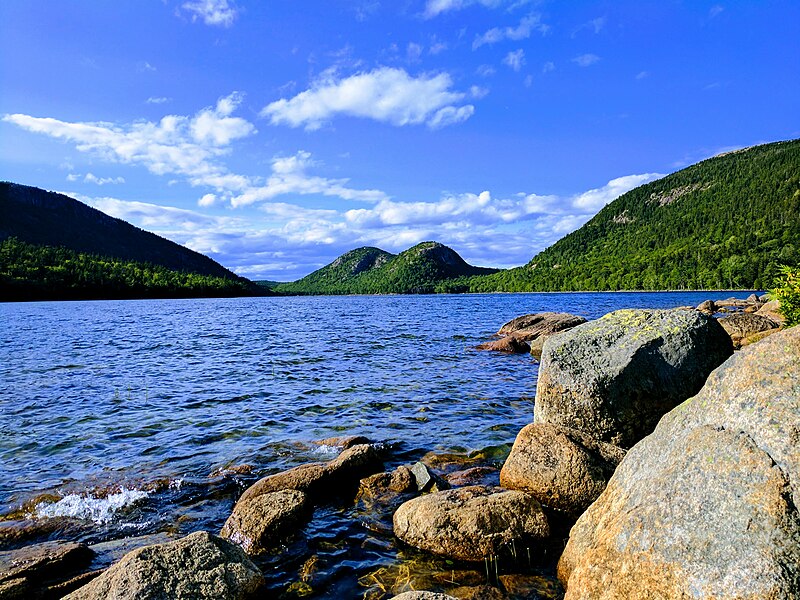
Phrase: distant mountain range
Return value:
(726, 222)
(418, 270)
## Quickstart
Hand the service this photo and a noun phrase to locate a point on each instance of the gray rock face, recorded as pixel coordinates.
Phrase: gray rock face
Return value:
(741, 326)
(560, 467)
(196, 567)
(469, 523)
(615, 377)
(262, 521)
(706, 506)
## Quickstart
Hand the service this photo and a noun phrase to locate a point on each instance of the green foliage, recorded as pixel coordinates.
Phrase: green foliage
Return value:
(422, 269)
(31, 272)
(727, 222)
(787, 293)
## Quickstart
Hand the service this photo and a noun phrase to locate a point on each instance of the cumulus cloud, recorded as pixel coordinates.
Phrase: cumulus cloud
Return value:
(91, 178)
(386, 94)
(212, 12)
(158, 100)
(193, 147)
(586, 60)
(515, 60)
(285, 241)
(520, 32)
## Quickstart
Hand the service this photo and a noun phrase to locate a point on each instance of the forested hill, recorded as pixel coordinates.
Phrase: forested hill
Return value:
(726, 222)
(418, 270)
(39, 217)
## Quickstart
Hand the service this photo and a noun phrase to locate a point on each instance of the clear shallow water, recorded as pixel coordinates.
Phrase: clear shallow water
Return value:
(108, 398)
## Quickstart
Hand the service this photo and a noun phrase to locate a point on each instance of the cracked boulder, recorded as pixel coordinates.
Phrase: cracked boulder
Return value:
(707, 505)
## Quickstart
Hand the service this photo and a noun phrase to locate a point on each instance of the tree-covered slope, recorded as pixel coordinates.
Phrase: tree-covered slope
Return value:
(34, 272)
(45, 218)
(418, 270)
(726, 222)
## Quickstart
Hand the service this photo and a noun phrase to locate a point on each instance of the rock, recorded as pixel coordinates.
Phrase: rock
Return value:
(757, 337)
(707, 505)
(343, 442)
(615, 377)
(532, 586)
(771, 311)
(510, 344)
(764, 298)
(469, 523)
(32, 567)
(322, 481)
(708, 307)
(199, 566)
(478, 592)
(743, 325)
(473, 476)
(753, 298)
(401, 480)
(537, 324)
(561, 468)
(426, 479)
(261, 522)
(422, 596)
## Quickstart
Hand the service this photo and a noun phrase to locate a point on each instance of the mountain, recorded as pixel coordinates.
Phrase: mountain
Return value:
(54, 247)
(367, 270)
(726, 222)
(40, 217)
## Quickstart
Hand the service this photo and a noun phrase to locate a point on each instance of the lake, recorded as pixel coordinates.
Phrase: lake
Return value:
(134, 414)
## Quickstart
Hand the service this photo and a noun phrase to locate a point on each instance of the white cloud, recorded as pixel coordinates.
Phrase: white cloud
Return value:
(437, 48)
(289, 176)
(485, 70)
(586, 60)
(158, 100)
(91, 178)
(548, 66)
(595, 25)
(212, 12)
(520, 32)
(515, 60)
(145, 66)
(193, 147)
(642, 75)
(386, 94)
(413, 52)
(434, 8)
(715, 10)
(285, 241)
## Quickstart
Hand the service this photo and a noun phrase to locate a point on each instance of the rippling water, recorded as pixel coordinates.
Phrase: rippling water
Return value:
(152, 397)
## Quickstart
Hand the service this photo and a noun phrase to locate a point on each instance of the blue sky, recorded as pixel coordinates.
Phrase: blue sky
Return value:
(274, 135)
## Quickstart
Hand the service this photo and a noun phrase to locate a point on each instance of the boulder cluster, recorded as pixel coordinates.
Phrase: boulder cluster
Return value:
(674, 460)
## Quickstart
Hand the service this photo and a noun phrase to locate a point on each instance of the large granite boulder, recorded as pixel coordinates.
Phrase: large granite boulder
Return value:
(743, 326)
(707, 505)
(470, 523)
(196, 567)
(562, 468)
(613, 378)
(263, 521)
(28, 571)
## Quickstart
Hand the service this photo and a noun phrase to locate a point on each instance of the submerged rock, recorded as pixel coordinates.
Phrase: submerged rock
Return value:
(469, 523)
(509, 344)
(707, 505)
(531, 326)
(615, 377)
(560, 467)
(196, 567)
(261, 522)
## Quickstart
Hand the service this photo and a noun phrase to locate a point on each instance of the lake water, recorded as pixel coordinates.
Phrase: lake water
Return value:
(127, 411)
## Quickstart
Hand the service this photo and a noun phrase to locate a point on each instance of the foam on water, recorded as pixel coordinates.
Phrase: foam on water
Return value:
(90, 508)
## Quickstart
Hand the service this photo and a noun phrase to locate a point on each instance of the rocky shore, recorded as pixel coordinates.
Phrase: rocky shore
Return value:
(661, 462)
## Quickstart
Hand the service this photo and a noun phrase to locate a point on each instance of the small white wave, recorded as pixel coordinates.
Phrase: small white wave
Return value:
(327, 449)
(90, 508)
